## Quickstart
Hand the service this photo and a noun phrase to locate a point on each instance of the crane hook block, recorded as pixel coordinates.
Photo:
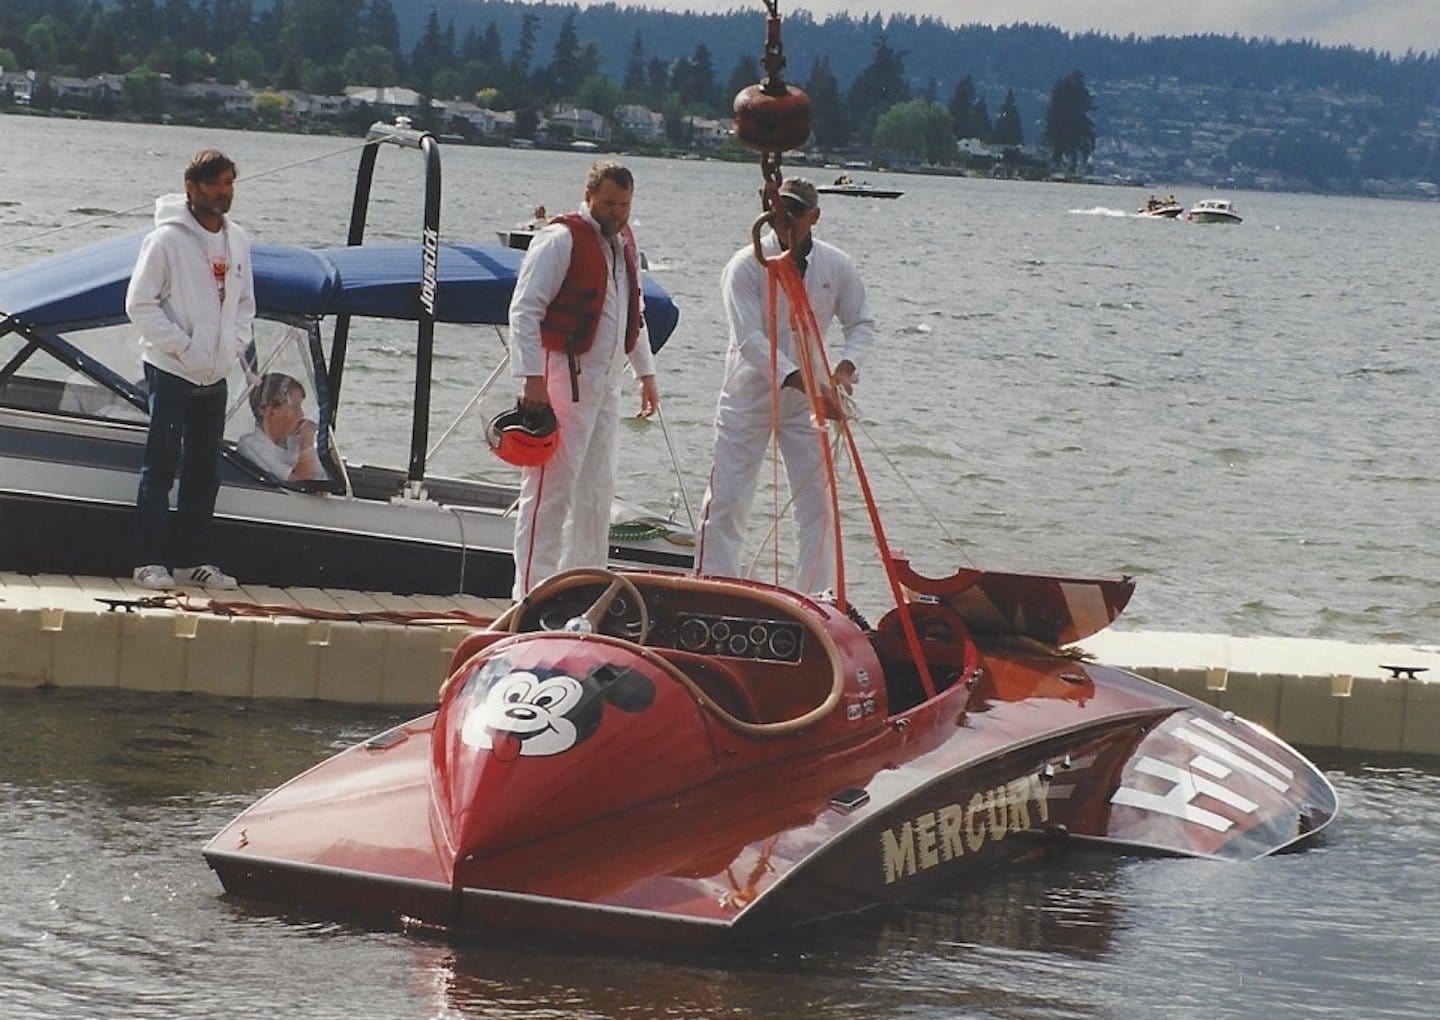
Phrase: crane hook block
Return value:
(770, 119)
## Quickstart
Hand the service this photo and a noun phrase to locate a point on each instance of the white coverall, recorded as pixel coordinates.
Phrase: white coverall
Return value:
(563, 518)
(743, 415)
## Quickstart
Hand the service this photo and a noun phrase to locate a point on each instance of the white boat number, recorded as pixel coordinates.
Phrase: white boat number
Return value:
(1218, 756)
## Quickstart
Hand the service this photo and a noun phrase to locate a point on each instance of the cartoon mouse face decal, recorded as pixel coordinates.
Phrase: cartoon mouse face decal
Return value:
(538, 711)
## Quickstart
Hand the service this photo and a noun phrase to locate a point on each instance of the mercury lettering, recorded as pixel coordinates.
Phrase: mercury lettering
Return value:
(949, 832)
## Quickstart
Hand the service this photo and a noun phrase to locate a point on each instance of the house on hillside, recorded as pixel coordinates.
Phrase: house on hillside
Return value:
(305, 104)
(641, 121)
(232, 99)
(388, 101)
(584, 125)
(20, 85)
(708, 133)
(466, 117)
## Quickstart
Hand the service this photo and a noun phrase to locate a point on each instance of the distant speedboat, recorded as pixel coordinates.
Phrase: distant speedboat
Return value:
(1164, 209)
(520, 236)
(860, 190)
(1213, 210)
(517, 237)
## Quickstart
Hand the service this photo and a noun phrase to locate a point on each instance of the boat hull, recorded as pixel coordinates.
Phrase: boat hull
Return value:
(858, 191)
(67, 495)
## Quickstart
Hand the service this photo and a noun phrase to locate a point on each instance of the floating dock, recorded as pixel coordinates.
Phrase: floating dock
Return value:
(376, 648)
(111, 633)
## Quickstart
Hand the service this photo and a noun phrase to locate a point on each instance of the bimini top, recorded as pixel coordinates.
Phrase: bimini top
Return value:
(86, 288)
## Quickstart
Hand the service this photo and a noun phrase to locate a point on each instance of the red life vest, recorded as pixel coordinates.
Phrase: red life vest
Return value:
(573, 316)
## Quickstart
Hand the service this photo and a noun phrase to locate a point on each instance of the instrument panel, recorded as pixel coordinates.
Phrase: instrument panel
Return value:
(740, 637)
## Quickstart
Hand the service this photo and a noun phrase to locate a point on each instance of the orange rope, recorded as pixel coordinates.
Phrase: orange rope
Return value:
(810, 351)
(815, 370)
(403, 617)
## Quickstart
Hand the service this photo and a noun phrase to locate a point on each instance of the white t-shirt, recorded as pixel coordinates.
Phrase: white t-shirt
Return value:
(280, 461)
(218, 253)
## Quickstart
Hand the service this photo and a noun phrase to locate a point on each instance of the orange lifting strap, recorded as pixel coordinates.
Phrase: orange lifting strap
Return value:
(770, 118)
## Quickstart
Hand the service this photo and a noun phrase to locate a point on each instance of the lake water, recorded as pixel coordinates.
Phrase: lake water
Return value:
(1239, 416)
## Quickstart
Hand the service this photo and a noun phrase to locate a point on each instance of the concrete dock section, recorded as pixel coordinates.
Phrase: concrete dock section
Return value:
(376, 648)
(1312, 693)
(363, 647)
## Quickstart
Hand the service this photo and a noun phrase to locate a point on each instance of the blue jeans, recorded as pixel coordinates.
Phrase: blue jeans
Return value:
(187, 423)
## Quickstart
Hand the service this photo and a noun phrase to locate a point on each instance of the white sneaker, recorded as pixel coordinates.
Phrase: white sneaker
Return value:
(206, 576)
(154, 577)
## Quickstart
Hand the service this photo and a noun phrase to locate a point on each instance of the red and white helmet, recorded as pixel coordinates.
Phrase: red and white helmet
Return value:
(522, 437)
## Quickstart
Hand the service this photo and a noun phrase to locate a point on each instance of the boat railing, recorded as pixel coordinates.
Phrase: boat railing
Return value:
(403, 135)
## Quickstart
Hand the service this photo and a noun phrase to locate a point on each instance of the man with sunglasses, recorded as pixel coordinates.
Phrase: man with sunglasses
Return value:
(743, 418)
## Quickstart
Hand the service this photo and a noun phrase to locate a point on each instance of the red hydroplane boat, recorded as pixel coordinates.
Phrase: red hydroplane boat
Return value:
(673, 759)
(664, 758)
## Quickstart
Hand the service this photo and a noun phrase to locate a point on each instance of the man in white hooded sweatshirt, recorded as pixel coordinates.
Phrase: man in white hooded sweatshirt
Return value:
(192, 295)
(743, 423)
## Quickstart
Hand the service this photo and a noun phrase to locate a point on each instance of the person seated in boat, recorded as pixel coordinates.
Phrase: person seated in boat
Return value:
(843, 180)
(538, 218)
(283, 441)
(1152, 202)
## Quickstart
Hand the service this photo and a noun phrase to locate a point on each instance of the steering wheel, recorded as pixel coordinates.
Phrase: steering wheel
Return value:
(531, 607)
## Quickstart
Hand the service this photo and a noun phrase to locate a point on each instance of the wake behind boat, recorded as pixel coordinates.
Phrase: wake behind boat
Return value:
(72, 416)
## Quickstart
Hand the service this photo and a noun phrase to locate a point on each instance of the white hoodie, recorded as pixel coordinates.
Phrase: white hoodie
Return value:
(184, 328)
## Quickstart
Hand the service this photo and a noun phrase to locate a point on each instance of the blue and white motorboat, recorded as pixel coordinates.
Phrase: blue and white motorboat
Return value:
(73, 409)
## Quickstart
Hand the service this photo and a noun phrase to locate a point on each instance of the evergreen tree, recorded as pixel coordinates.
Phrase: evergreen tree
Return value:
(963, 119)
(378, 26)
(829, 117)
(634, 86)
(1008, 131)
(525, 48)
(317, 30)
(564, 75)
(1069, 132)
(746, 73)
(877, 88)
(984, 129)
(429, 57)
(657, 74)
(702, 90)
(490, 51)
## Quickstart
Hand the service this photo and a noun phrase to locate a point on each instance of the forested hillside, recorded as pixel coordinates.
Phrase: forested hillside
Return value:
(1249, 111)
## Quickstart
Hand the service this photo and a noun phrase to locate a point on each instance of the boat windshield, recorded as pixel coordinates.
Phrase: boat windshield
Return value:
(97, 374)
(41, 378)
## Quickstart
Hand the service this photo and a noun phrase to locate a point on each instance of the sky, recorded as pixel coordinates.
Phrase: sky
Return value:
(1394, 25)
